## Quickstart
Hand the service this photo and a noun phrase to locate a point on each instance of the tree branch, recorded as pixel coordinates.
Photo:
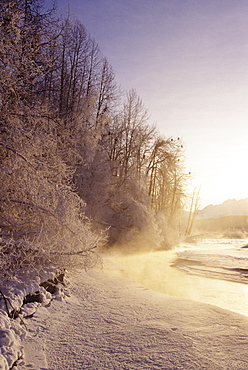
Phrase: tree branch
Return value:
(20, 155)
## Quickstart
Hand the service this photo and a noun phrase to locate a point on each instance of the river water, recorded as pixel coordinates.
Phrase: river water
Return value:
(212, 271)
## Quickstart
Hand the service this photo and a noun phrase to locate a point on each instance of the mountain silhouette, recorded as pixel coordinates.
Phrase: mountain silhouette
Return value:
(230, 207)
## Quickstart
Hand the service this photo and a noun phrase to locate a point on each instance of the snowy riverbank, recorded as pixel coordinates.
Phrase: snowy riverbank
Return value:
(20, 299)
(113, 323)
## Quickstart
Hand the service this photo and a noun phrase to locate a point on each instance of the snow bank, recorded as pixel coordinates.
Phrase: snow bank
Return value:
(111, 323)
(11, 334)
(14, 309)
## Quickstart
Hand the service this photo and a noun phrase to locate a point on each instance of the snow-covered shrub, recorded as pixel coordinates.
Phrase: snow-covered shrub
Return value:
(40, 210)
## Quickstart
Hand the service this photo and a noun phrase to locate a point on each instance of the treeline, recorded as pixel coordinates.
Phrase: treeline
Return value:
(233, 227)
(81, 165)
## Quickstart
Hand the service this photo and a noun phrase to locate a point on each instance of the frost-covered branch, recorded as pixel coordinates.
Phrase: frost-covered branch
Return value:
(20, 155)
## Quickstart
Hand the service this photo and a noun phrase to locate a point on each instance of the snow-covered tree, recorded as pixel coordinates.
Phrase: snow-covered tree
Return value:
(38, 202)
(42, 218)
(69, 152)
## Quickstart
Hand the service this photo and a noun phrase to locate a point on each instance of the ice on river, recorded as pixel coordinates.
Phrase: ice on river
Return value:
(225, 259)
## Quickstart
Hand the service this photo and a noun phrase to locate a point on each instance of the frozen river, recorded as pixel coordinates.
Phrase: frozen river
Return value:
(212, 271)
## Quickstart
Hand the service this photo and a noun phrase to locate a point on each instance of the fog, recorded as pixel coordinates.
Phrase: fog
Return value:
(155, 270)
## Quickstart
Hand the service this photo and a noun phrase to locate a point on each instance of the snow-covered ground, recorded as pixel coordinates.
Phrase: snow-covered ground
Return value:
(20, 298)
(113, 323)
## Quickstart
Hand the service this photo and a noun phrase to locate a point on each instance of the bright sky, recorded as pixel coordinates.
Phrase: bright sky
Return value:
(188, 61)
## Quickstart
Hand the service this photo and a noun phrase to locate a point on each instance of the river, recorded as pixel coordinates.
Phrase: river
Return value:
(213, 271)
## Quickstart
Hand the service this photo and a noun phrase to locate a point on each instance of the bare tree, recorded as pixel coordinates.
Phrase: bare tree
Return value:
(194, 208)
(23, 59)
(129, 139)
(166, 179)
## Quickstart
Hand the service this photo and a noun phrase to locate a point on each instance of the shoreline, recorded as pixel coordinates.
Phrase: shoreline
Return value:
(114, 323)
(162, 272)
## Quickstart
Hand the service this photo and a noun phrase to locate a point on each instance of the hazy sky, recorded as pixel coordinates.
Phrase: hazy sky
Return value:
(188, 61)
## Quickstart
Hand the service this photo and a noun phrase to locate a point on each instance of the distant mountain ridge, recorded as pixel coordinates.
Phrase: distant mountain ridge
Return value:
(230, 207)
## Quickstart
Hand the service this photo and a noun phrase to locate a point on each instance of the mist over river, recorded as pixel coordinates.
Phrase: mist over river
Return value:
(212, 271)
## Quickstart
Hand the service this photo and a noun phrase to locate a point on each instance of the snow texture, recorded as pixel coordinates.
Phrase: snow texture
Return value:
(113, 323)
(13, 331)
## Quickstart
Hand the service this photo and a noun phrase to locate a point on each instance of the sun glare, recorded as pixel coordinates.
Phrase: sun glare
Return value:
(221, 177)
